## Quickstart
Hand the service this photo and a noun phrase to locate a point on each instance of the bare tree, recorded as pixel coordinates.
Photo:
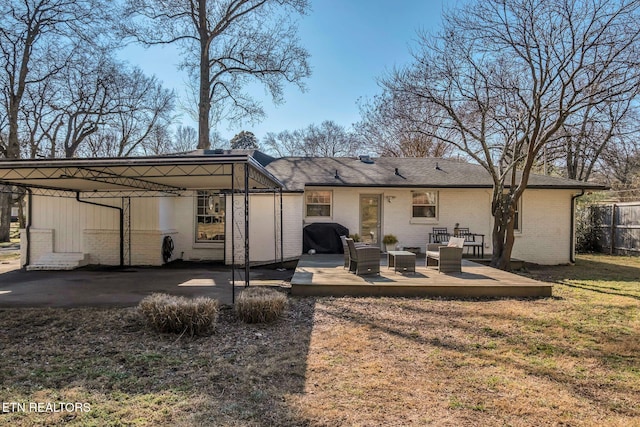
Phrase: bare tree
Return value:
(37, 37)
(157, 142)
(620, 162)
(393, 132)
(136, 106)
(586, 136)
(285, 143)
(327, 139)
(228, 44)
(505, 76)
(185, 139)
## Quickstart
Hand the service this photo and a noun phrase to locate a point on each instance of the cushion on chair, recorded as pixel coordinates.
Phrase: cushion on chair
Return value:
(456, 242)
(433, 254)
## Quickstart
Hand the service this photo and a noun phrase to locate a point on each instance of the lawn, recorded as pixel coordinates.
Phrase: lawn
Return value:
(573, 359)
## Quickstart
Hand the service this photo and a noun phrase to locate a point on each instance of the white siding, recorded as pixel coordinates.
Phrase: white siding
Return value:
(75, 226)
(68, 218)
(65, 225)
(469, 208)
(183, 222)
(545, 237)
(292, 224)
(264, 227)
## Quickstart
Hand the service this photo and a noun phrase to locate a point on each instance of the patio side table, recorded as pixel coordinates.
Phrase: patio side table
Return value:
(403, 261)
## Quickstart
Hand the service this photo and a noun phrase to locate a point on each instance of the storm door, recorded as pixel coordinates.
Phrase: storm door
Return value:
(370, 218)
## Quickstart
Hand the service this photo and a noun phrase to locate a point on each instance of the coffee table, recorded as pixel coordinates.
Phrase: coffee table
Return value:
(403, 261)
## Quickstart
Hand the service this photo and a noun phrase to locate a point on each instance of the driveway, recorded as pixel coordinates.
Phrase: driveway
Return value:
(123, 287)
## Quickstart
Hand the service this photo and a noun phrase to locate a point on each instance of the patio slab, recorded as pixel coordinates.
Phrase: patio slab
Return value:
(123, 287)
(324, 275)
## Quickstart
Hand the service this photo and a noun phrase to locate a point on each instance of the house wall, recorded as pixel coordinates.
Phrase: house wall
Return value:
(545, 217)
(65, 225)
(180, 216)
(264, 227)
(396, 213)
(62, 224)
(545, 236)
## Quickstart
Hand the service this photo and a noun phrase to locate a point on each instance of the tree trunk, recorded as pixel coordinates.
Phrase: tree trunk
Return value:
(204, 103)
(13, 152)
(22, 220)
(503, 236)
(5, 214)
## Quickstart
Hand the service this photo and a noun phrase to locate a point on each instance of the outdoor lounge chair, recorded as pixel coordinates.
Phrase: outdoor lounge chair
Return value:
(448, 257)
(363, 259)
(345, 249)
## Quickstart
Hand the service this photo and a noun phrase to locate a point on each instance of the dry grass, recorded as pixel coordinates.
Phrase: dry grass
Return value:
(179, 315)
(9, 256)
(260, 305)
(568, 360)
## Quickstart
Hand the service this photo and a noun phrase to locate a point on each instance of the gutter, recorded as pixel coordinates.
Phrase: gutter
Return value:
(121, 223)
(572, 246)
(27, 228)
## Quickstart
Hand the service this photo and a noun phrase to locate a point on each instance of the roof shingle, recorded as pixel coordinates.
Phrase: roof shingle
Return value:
(298, 172)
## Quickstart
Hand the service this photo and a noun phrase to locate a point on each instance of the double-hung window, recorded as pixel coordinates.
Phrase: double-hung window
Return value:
(318, 203)
(424, 204)
(210, 218)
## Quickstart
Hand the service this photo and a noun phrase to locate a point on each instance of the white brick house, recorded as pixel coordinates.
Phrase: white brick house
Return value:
(119, 211)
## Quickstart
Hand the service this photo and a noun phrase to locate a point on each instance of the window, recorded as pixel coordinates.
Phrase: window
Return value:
(210, 217)
(424, 204)
(516, 216)
(318, 203)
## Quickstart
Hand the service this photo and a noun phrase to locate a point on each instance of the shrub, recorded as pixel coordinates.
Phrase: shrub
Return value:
(389, 239)
(168, 313)
(260, 305)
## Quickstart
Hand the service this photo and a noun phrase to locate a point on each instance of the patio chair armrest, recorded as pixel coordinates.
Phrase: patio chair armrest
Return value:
(449, 252)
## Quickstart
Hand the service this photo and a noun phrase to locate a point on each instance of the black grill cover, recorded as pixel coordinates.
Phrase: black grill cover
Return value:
(324, 237)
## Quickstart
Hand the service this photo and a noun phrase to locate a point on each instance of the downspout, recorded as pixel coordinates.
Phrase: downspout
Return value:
(281, 233)
(246, 225)
(27, 228)
(121, 223)
(572, 252)
(233, 235)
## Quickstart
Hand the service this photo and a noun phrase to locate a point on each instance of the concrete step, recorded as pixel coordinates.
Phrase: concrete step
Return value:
(60, 261)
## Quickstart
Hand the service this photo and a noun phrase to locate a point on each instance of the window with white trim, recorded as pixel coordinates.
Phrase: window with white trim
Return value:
(210, 218)
(318, 203)
(424, 204)
(517, 226)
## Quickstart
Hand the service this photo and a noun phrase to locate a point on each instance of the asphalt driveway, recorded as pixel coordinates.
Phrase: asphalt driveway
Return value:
(123, 287)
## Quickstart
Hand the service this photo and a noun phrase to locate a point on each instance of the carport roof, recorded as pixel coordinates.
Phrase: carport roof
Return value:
(201, 169)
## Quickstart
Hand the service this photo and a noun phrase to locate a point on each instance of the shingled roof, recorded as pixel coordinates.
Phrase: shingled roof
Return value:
(297, 172)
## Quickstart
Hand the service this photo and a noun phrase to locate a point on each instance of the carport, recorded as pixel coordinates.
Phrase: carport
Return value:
(233, 172)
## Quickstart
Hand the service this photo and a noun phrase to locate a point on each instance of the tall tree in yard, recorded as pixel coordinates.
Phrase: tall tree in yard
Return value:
(505, 78)
(228, 44)
(37, 38)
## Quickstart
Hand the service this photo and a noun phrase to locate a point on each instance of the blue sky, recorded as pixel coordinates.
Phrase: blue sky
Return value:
(351, 42)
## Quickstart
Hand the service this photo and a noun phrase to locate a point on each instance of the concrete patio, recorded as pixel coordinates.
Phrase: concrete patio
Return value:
(123, 287)
(324, 275)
